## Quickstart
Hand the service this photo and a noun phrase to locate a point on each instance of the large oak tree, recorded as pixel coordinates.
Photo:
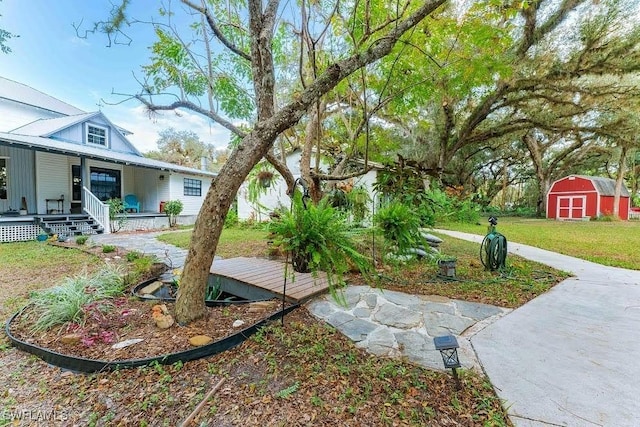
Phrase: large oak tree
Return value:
(226, 68)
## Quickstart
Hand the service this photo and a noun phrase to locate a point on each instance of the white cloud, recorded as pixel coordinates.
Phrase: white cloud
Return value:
(145, 129)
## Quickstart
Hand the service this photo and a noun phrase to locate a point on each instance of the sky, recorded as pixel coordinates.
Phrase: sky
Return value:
(49, 56)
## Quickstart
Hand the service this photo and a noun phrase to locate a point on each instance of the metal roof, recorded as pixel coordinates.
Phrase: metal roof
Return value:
(24, 94)
(47, 127)
(605, 186)
(96, 153)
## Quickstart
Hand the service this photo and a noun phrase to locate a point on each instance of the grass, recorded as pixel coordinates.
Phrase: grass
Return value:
(615, 244)
(29, 266)
(234, 242)
(66, 301)
(519, 282)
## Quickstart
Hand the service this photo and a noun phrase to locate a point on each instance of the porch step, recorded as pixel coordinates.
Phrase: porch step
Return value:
(69, 224)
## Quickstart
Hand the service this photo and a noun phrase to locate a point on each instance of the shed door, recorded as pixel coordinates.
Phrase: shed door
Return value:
(572, 207)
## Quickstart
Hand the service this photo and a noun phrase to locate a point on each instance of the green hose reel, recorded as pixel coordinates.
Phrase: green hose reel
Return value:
(493, 250)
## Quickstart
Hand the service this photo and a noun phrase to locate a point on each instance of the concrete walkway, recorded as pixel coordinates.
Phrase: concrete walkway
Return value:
(569, 357)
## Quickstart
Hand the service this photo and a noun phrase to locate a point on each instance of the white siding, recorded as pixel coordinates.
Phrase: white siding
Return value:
(276, 195)
(53, 179)
(192, 204)
(77, 134)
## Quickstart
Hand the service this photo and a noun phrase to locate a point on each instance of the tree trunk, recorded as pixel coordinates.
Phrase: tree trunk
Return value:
(619, 180)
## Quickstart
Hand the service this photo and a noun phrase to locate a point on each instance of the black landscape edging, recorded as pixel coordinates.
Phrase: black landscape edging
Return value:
(80, 364)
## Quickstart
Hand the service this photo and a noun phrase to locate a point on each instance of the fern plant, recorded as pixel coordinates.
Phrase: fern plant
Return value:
(318, 238)
(400, 226)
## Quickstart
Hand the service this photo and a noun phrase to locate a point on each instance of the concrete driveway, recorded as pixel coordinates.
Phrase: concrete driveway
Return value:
(570, 357)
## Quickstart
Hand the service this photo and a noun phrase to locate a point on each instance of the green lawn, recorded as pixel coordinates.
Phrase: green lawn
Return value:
(615, 243)
(28, 266)
(234, 242)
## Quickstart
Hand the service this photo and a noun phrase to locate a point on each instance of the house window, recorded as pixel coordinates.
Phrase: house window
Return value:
(192, 187)
(96, 135)
(105, 183)
(3, 179)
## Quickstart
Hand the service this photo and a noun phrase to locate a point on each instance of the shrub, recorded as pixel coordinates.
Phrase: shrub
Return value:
(231, 220)
(399, 225)
(133, 255)
(81, 240)
(142, 266)
(108, 249)
(117, 214)
(65, 302)
(359, 201)
(318, 238)
(173, 208)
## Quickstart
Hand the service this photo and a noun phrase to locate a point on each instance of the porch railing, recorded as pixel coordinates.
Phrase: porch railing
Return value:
(98, 210)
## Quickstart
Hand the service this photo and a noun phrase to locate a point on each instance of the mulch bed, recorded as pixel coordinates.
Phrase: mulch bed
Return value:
(128, 318)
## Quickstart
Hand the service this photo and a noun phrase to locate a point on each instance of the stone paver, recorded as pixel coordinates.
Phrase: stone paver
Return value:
(394, 324)
(146, 243)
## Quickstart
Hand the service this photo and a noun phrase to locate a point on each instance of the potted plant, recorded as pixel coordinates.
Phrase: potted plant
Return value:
(265, 177)
(400, 226)
(318, 238)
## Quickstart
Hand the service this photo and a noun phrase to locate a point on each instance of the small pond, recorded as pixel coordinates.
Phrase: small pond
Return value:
(221, 290)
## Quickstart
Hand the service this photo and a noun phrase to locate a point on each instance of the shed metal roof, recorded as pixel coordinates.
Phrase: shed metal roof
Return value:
(605, 186)
(96, 153)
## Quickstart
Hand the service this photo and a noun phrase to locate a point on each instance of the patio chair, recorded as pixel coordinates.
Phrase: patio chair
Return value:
(131, 203)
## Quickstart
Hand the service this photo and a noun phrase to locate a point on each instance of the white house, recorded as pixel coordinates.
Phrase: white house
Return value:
(58, 164)
(276, 195)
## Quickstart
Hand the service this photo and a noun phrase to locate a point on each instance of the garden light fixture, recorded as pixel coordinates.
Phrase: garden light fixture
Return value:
(448, 347)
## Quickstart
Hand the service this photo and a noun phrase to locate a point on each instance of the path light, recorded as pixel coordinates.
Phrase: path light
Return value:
(448, 347)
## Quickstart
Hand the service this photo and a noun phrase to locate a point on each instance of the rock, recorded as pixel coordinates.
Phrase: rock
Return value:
(70, 339)
(260, 306)
(419, 252)
(163, 321)
(160, 308)
(151, 288)
(200, 340)
(354, 328)
(126, 343)
(397, 316)
(238, 323)
(430, 238)
(362, 312)
(382, 342)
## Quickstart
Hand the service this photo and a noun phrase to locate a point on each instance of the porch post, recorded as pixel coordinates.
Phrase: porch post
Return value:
(84, 182)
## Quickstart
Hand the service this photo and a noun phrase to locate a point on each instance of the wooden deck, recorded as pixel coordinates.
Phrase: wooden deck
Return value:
(267, 274)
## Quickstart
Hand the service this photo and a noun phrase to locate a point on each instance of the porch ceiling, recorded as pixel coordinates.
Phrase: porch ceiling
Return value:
(67, 148)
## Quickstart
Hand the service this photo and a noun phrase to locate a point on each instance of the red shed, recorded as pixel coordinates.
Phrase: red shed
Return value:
(580, 197)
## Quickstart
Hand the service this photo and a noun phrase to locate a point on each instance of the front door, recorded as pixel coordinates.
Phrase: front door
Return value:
(76, 189)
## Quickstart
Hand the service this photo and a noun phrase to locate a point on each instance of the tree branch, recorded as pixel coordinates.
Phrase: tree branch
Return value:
(212, 24)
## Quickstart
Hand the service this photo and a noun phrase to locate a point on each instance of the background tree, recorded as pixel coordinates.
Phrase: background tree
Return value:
(554, 67)
(5, 36)
(183, 148)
